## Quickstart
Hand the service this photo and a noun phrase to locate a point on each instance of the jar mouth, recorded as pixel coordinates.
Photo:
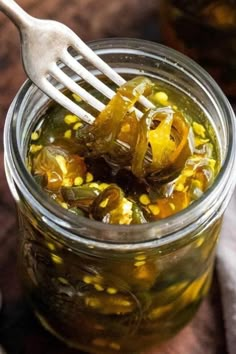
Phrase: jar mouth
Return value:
(161, 231)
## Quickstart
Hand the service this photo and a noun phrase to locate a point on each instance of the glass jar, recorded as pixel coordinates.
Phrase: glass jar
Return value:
(115, 288)
(206, 31)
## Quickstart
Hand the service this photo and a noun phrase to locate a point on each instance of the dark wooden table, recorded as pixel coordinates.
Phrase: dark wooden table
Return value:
(20, 333)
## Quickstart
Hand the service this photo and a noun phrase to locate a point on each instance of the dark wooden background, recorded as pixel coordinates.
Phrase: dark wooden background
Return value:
(91, 19)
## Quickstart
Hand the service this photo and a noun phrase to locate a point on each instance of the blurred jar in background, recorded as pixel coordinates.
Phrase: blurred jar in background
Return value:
(206, 31)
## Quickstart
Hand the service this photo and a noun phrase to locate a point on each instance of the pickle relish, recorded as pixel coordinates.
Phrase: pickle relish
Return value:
(123, 169)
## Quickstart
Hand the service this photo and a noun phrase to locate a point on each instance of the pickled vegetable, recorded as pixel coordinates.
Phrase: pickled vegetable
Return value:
(125, 169)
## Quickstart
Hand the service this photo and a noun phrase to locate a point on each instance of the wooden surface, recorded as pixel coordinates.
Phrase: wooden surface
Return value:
(19, 331)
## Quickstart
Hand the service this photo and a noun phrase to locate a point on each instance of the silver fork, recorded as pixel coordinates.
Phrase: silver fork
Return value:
(45, 43)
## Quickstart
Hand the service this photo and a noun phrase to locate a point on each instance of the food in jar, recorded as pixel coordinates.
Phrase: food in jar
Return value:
(125, 169)
(122, 170)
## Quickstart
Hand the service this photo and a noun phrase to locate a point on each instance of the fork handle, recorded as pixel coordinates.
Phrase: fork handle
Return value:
(15, 13)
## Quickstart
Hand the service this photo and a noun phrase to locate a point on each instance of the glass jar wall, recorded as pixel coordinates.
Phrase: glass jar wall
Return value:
(112, 288)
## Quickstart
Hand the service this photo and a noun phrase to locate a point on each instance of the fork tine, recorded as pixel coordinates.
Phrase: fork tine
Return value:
(98, 63)
(69, 61)
(61, 77)
(74, 65)
(64, 101)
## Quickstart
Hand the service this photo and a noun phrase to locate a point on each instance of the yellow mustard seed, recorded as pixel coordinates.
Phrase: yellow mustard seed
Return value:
(144, 273)
(179, 187)
(92, 302)
(140, 257)
(123, 303)
(67, 182)
(51, 246)
(71, 119)
(98, 287)
(199, 129)
(62, 163)
(199, 242)
(77, 126)
(172, 206)
(68, 134)
(77, 98)
(34, 136)
(89, 177)
(139, 263)
(112, 291)
(56, 259)
(35, 148)
(115, 346)
(78, 181)
(104, 203)
(144, 199)
(87, 279)
(161, 97)
(154, 209)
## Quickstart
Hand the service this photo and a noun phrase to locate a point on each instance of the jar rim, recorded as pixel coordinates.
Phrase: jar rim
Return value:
(161, 231)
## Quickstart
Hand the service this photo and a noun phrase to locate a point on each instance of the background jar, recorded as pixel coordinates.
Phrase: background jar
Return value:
(112, 288)
(206, 31)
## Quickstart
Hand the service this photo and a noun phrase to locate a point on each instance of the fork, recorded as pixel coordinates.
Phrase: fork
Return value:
(44, 44)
